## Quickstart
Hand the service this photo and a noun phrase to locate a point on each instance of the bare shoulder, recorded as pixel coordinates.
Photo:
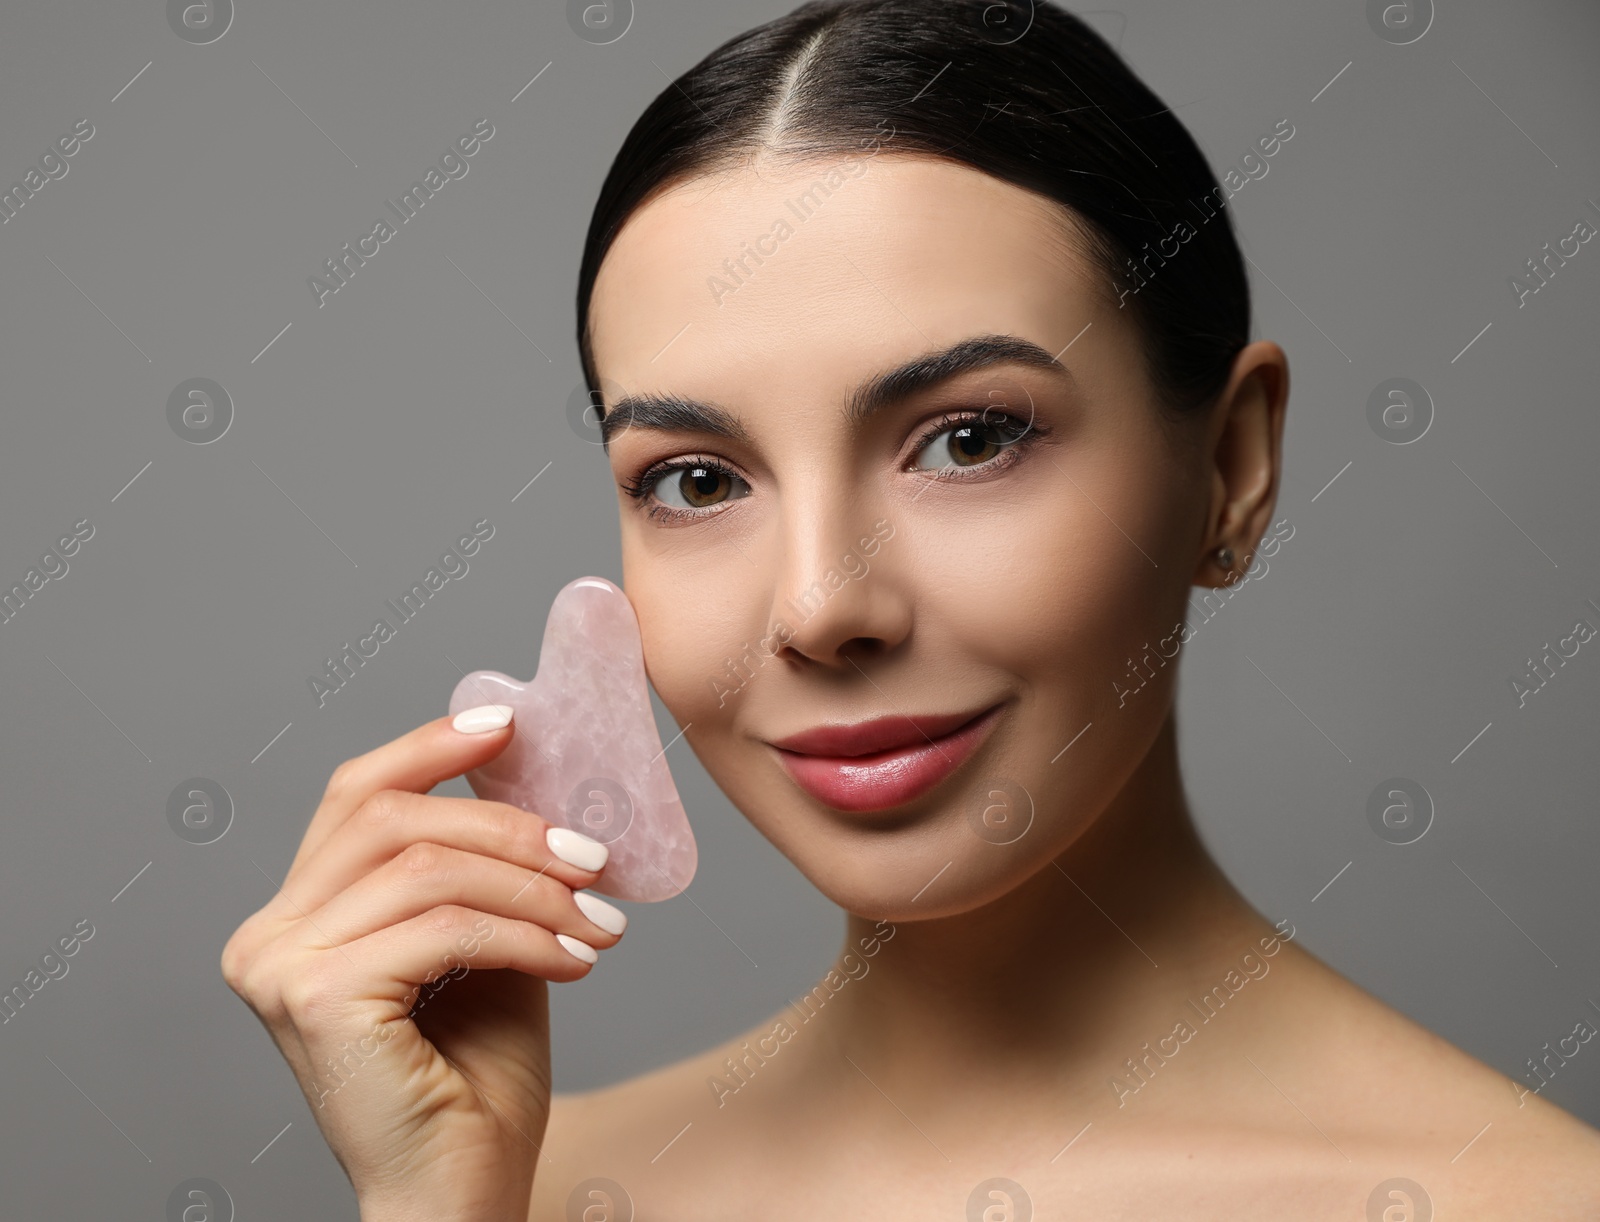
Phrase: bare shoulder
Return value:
(1344, 1101)
(1480, 1143)
(1523, 1154)
(610, 1147)
(1517, 1158)
(1542, 1161)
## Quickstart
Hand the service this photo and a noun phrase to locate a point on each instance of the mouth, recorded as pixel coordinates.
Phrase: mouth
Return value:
(887, 762)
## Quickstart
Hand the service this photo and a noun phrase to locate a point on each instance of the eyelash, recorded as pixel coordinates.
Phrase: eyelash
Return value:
(639, 488)
(1009, 456)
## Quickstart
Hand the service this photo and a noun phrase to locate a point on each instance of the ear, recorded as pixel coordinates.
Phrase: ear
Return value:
(1245, 441)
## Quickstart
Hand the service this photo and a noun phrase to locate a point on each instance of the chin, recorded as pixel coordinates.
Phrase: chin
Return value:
(942, 872)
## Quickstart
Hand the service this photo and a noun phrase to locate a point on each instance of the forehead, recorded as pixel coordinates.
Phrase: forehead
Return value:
(796, 280)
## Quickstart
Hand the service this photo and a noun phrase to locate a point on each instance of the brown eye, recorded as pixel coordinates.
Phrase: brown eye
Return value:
(971, 443)
(695, 485)
(701, 486)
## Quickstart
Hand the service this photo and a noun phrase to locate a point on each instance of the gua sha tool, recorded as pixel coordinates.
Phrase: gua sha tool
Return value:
(586, 754)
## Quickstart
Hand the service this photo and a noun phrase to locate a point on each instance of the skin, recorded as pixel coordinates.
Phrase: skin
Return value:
(981, 1035)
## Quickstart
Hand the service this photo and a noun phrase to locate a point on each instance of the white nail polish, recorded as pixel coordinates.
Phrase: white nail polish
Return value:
(576, 849)
(482, 719)
(609, 918)
(577, 949)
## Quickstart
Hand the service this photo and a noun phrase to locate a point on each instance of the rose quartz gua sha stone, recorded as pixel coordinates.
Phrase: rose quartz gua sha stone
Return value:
(586, 754)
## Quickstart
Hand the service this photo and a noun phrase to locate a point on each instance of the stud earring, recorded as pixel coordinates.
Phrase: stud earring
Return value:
(1224, 557)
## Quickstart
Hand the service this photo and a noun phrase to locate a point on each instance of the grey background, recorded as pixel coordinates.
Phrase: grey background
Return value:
(424, 395)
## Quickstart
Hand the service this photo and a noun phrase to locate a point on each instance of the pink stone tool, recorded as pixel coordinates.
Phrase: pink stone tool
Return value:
(586, 754)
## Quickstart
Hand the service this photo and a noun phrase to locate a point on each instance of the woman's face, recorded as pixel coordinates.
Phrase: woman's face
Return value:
(968, 553)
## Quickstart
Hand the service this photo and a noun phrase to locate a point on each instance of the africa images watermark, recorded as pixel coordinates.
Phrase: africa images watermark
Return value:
(1540, 273)
(737, 271)
(1210, 603)
(344, 1067)
(1539, 673)
(1251, 166)
(854, 566)
(52, 566)
(452, 165)
(452, 566)
(740, 1071)
(1252, 966)
(16, 196)
(1570, 1046)
(52, 966)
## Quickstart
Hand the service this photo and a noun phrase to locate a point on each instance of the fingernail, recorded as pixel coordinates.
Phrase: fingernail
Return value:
(577, 949)
(482, 719)
(609, 918)
(576, 849)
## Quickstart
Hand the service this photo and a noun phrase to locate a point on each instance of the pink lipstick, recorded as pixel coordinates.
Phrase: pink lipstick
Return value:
(882, 763)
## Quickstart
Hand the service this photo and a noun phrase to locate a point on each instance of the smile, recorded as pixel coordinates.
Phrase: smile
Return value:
(884, 763)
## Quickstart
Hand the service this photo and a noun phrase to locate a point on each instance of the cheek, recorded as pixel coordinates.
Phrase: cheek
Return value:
(700, 628)
(1062, 587)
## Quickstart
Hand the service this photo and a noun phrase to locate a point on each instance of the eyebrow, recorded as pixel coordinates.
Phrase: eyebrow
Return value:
(905, 381)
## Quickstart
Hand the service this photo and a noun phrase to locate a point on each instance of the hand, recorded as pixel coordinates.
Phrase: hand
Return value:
(372, 969)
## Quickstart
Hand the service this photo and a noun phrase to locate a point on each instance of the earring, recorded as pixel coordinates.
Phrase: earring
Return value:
(1224, 557)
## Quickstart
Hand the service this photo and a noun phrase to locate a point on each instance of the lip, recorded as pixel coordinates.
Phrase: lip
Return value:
(883, 763)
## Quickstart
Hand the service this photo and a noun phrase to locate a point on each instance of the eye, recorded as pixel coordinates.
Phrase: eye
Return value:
(969, 443)
(695, 486)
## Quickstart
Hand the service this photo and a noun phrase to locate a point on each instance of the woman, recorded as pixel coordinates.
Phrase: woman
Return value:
(921, 340)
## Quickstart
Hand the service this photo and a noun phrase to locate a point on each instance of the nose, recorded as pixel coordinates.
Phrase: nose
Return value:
(837, 586)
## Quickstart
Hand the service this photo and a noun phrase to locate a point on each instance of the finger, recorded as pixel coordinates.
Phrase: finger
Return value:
(392, 820)
(396, 960)
(416, 761)
(426, 876)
